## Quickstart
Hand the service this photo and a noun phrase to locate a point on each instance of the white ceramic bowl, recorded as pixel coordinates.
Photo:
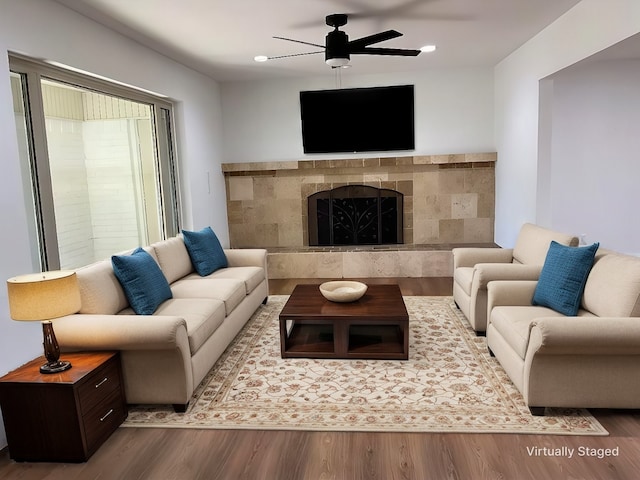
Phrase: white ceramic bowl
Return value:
(343, 290)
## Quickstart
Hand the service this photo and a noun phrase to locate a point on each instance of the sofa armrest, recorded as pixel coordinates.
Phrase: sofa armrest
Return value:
(585, 336)
(469, 256)
(247, 257)
(121, 332)
(487, 272)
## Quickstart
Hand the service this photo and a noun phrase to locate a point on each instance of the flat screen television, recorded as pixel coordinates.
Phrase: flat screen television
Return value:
(358, 119)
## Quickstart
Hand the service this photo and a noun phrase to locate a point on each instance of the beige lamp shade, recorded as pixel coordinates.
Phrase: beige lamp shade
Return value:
(43, 296)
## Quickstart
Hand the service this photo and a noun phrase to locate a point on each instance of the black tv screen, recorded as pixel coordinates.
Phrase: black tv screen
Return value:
(358, 119)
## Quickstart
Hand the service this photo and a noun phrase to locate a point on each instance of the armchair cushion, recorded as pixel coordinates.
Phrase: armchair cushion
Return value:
(563, 277)
(533, 243)
(613, 276)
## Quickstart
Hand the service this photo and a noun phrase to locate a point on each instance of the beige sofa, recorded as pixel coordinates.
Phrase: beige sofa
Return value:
(474, 268)
(167, 354)
(590, 360)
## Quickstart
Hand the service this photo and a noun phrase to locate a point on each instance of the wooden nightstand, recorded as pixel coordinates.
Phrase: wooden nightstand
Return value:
(63, 417)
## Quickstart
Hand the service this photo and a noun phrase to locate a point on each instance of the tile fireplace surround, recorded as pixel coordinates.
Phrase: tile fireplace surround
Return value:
(448, 199)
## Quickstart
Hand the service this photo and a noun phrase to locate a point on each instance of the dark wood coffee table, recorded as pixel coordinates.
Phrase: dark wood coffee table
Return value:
(374, 327)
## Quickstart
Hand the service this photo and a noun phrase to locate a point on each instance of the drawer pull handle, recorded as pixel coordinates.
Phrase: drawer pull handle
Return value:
(106, 415)
(103, 380)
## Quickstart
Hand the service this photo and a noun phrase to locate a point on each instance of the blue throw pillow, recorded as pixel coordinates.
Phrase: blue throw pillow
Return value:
(563, 276)
(205, 251)
(143, 282)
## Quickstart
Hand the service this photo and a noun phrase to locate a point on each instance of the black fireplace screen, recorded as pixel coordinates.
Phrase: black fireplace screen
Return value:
(355, 215)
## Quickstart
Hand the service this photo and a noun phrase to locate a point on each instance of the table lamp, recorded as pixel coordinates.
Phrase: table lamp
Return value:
(42, 297)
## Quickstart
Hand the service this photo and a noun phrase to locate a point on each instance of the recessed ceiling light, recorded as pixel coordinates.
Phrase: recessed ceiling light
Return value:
(261, 58)
(428, 48)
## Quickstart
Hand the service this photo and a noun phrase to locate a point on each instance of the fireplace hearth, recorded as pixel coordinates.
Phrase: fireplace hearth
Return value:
(355, 215)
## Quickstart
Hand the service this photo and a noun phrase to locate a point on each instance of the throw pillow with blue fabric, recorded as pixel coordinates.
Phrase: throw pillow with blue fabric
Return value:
(205, 251)
(143, 282)
(563, 277)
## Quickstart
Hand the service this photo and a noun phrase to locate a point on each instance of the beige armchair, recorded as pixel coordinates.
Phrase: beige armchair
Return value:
(474, 268)
(590, 360)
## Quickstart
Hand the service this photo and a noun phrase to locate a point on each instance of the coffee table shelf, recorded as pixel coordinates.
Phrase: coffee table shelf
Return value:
(374, 327)
(375, 339)
(304, 338)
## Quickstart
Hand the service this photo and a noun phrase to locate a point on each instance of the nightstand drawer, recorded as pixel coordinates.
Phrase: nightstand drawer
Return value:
(98, 385)
(102, 420)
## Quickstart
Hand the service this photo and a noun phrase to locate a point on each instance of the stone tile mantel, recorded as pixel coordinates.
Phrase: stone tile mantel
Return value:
(447, 198)
(450, 159)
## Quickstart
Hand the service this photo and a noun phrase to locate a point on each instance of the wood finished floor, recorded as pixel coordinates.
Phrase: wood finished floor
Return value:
(150, 454)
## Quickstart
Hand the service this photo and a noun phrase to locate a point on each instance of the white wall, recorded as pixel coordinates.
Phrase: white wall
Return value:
(453, 113)
(45, 29)
(593, 165)
(589, 27)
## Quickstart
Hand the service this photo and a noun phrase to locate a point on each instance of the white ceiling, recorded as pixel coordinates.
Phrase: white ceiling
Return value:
(221, 37)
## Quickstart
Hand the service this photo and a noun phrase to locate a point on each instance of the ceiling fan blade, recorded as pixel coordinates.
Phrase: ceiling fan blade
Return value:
(386, 51)
(300, 41)
(408, 9)
(375, 38)
(367, 11)
(294, 55)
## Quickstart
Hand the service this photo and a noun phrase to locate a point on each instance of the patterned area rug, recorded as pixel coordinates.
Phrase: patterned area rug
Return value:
(449, 384)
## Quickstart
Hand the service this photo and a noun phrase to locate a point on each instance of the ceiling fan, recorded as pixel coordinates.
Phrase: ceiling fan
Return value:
(338, 48)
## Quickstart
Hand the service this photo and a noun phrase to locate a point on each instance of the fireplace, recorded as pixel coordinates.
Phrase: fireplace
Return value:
(355, 215)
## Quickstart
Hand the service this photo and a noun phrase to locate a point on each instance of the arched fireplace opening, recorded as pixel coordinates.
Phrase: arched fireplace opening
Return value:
(355, 215)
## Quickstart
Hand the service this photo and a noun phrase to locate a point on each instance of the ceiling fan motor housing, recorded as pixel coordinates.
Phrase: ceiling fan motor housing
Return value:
(336, 20)
(337, 45)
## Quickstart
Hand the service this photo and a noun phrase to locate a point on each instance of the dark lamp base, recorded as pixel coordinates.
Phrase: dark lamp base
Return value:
(55, 367)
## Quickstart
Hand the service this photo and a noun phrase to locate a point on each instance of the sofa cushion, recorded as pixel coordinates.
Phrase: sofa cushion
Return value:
(533, 243)
(173, 258)
(613, 286)
(203, 316)
(205, 251)
(251, 276)
(463, 276)
(100, 290)
(142, 280)
(563, 277)
(512, 322)
(229, 291)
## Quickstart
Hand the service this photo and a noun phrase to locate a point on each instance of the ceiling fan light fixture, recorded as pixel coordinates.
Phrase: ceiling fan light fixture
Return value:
(428, 48)
(337, 62)
(338, 48)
